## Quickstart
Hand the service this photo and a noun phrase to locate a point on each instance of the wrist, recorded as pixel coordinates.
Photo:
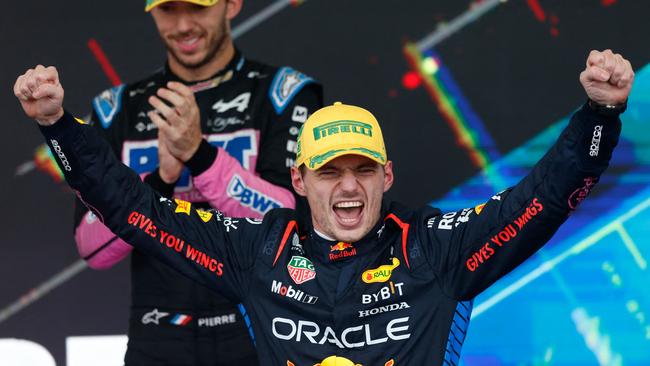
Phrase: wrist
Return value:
(51, 119)
(607, 109)
(191, 152)
(167, 178)
(202, 158)
(157, 182)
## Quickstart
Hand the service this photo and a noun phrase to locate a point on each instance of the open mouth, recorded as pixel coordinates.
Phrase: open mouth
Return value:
(348, 213)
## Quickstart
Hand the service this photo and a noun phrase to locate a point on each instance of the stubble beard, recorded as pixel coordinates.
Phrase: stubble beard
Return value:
(215, 47)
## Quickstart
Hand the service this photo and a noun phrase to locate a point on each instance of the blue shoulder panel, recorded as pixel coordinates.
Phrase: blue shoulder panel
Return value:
(286, 84)
(107, 104)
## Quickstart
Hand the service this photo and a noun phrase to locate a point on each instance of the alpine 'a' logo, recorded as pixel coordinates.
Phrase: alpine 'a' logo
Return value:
(301, 269)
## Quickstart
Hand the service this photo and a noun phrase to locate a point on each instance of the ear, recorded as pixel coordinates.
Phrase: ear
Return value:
(388, 175)
(297, 182)
(233, 7)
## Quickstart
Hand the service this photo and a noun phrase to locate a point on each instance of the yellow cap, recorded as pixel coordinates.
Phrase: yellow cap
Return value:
(337, 130)
(153, 3)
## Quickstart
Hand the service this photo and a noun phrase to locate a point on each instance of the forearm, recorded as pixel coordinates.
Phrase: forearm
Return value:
(513, 225)
(97, 245)
(232, 189)
(132, 210)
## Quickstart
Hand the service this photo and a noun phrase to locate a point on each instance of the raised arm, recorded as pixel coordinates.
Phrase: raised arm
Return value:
(205, 246)
(471, 249)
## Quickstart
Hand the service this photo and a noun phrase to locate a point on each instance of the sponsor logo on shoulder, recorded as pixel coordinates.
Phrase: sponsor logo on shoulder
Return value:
(431, 222)
(497, 197)
(381, 273)
(288, 291)
(108, 104)
(286, 84)
(249, 197)
(301, 269)
(204, 215)
(182, 206)
(451, 220)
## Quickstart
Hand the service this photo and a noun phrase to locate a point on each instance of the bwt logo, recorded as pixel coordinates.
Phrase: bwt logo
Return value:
(249, 197)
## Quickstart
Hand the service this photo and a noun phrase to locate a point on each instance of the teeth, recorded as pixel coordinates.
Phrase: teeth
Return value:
(348, 204)
(189, 41)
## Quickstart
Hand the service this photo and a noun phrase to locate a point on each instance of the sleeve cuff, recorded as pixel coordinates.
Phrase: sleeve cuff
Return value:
(155, 181)
(592, 115)
(202, 159)
(66, 122)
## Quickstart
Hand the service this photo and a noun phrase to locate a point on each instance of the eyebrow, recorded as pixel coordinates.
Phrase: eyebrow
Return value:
(367, 165)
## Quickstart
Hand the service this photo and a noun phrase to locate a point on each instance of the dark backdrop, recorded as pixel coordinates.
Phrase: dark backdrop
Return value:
(519, 73)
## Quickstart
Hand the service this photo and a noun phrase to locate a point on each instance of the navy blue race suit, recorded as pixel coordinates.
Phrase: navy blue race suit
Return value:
(251, 114)
(400, 296)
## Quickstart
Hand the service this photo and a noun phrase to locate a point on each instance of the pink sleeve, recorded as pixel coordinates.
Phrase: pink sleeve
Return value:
(235, 191)
(98, 245)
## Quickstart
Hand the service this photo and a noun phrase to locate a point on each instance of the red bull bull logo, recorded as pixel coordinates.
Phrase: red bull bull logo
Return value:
(342, 250)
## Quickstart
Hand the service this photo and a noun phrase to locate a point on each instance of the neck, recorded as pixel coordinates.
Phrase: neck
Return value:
(217, 63)
(324, 236)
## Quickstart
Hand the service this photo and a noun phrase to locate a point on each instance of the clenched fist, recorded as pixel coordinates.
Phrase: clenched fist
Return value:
(607, 78)
(40, 94)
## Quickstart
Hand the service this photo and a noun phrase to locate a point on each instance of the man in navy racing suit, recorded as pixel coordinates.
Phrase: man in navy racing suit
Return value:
(245, 117)
(356, 280)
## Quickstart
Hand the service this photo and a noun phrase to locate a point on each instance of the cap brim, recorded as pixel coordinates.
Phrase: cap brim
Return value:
(318, 160)
(156, 3)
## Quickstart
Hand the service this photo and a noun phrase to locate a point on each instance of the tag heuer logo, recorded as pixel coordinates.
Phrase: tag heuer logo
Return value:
(301, 269)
